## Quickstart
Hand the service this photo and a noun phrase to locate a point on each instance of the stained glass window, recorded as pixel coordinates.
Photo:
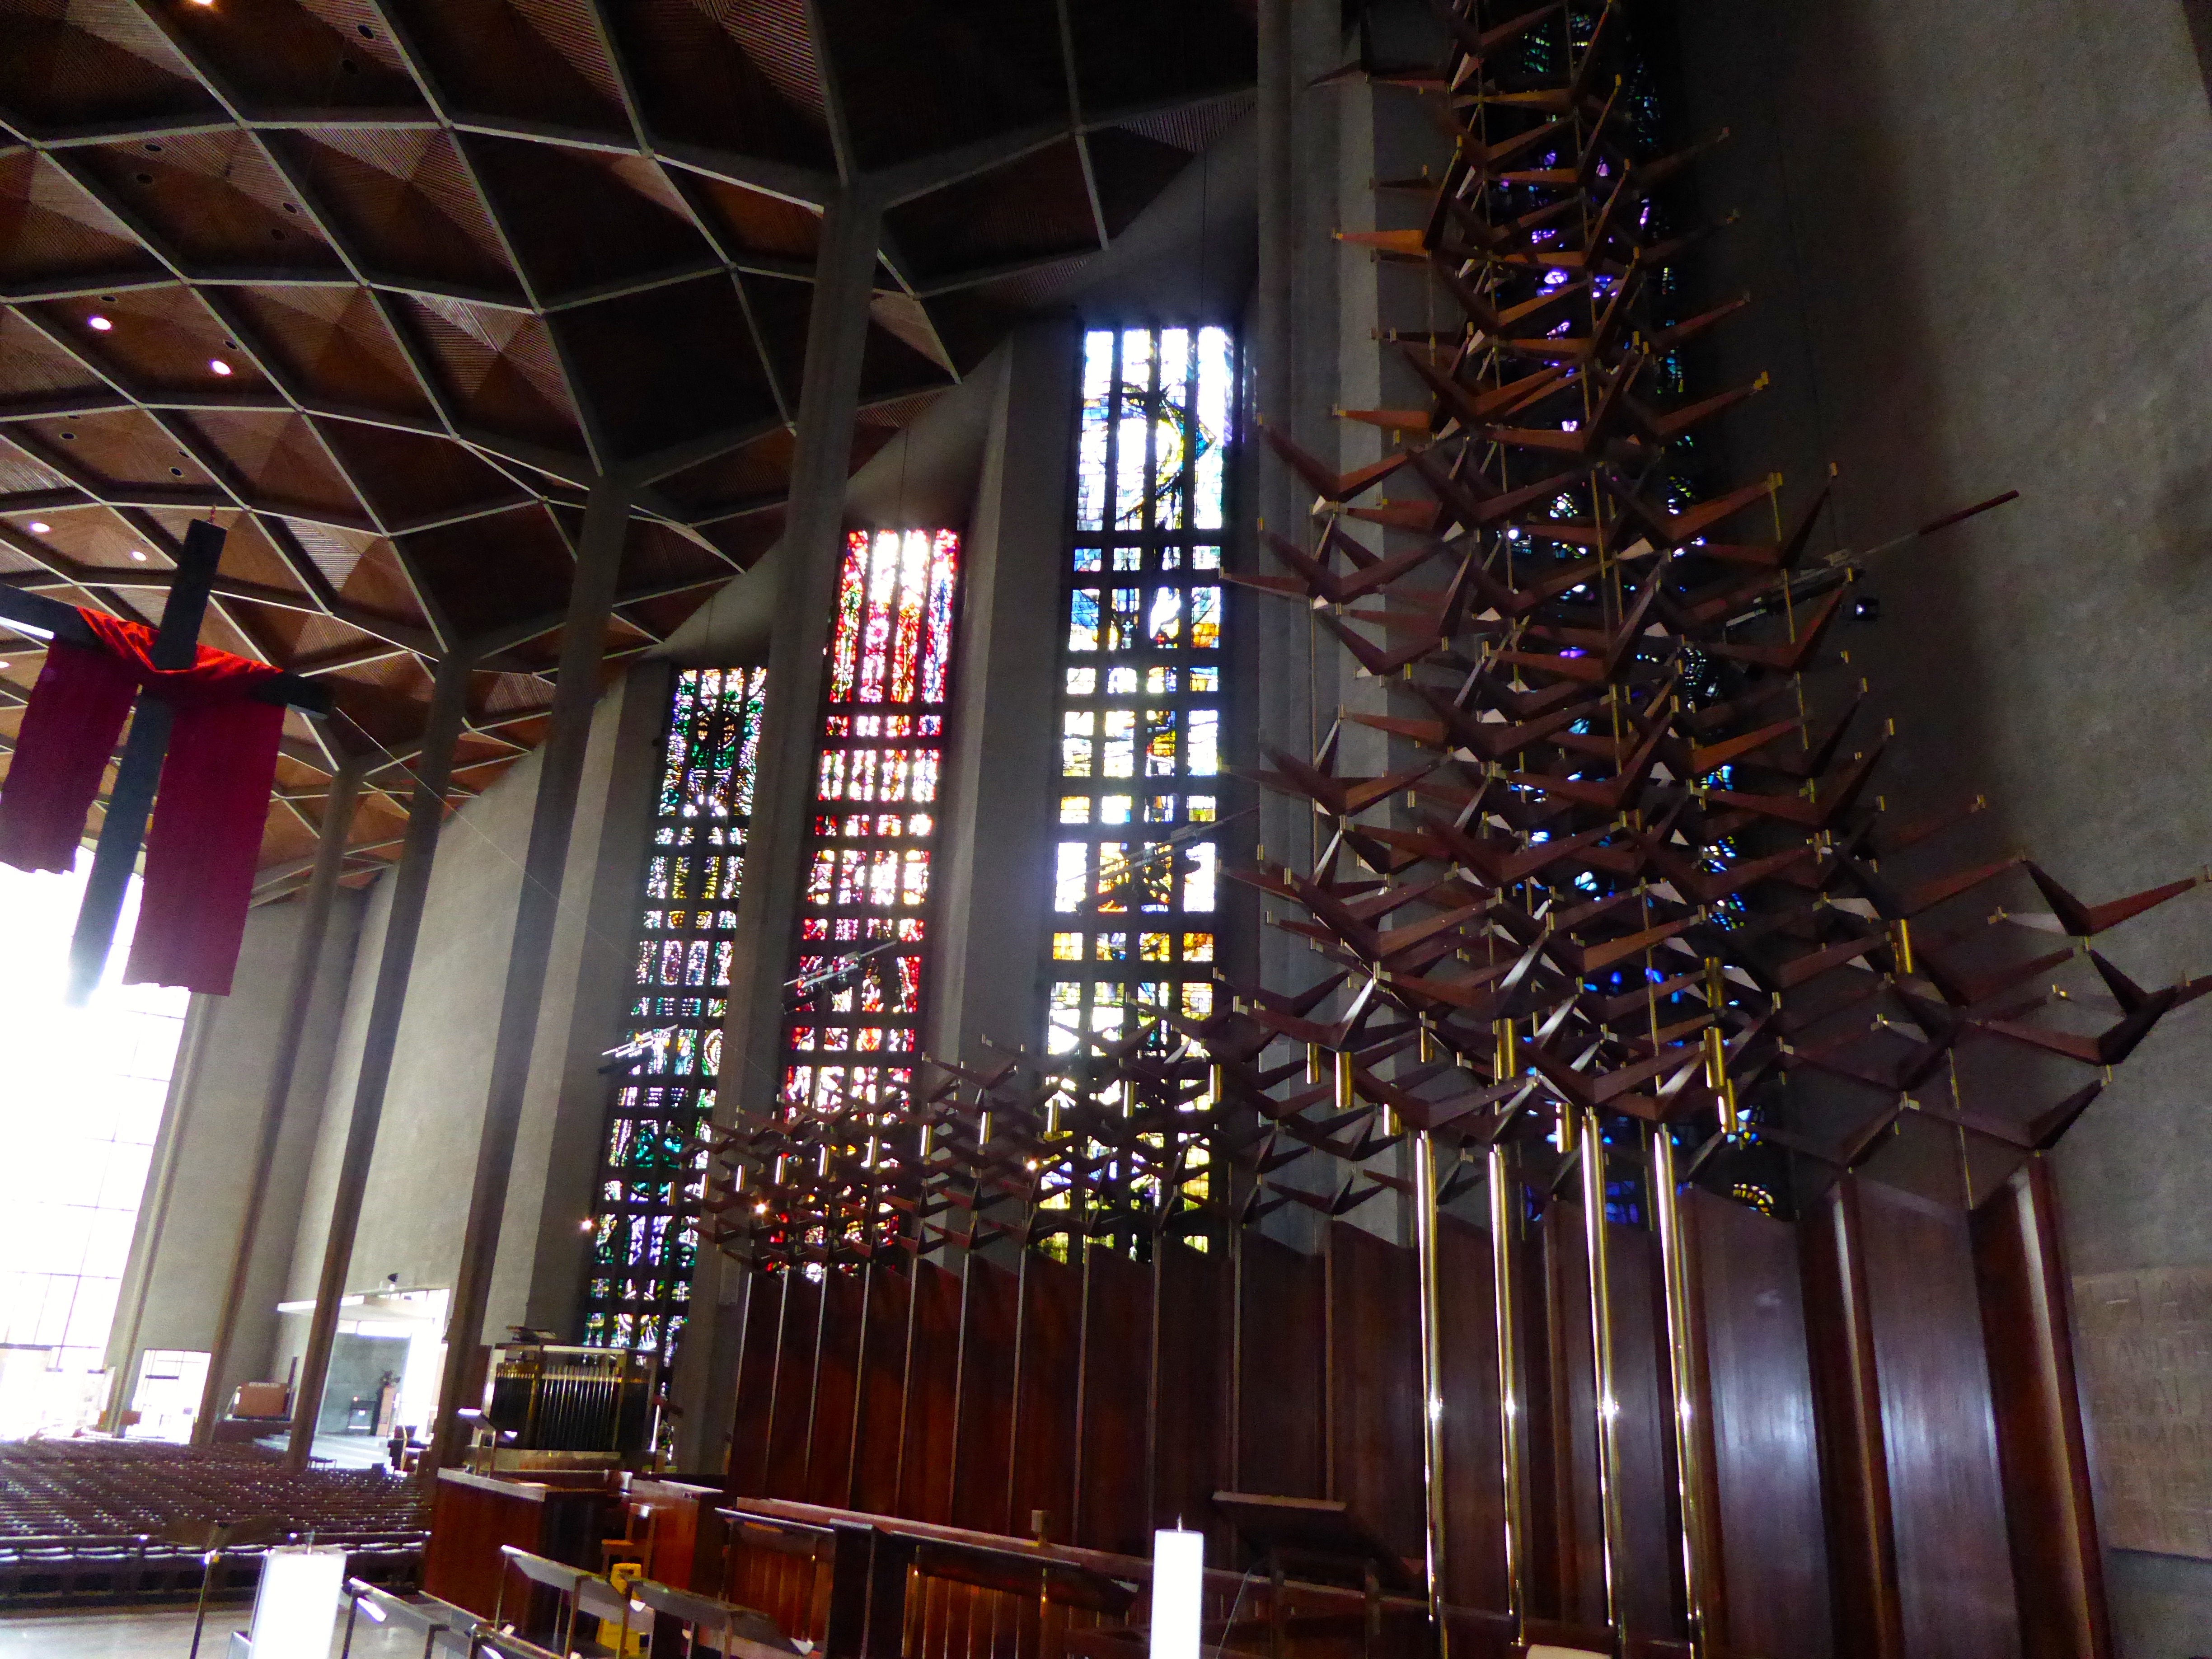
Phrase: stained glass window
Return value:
(645, 1210)
(857, 972)
(1141, 715)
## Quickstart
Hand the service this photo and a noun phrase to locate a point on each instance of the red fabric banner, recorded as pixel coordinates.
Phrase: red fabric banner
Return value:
(213, 800)
(77, 709)
(203, 845)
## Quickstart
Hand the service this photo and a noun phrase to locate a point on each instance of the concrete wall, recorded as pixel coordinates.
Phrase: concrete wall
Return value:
(1976, 237)
(416, 1201)
(995, 858)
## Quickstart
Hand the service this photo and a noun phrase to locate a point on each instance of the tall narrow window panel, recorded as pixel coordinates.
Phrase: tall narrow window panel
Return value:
(645, 1219)
(1136, 874)
(857, 981)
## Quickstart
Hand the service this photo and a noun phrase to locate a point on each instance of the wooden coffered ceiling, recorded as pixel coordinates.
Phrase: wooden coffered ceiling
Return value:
(382, 284)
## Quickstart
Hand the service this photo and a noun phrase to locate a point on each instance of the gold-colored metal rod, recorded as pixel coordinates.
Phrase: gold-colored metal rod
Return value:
(1608, 1402)
(1432, 1379)
(1504, 1270)
(1684, 1374)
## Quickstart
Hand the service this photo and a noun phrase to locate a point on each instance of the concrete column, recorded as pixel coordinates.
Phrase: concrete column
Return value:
(993, 882)
(322, 890)
(612, 851)
(426, 812)
(561, 767)
(837, 336)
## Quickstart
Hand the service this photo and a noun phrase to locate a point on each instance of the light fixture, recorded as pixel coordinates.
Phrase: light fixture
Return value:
(295, 1611)
(38, 529)
(100, 323)
(218, 366)
(136, 555)
(1178, 1579)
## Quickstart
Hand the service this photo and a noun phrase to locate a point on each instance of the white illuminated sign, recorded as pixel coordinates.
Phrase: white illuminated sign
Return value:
(296, 1608)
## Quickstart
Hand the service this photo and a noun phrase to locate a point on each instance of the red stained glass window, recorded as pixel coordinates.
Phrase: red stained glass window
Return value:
(860, 963)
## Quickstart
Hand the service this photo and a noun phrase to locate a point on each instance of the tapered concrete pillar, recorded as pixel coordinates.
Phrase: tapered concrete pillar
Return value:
(426, 810)
(545, 866)
(837, 336)
(306, 959)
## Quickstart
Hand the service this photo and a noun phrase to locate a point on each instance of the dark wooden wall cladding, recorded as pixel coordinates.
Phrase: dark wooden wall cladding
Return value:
(1282, 1350)
(1761, 1439)
(1877, 1475)
(1954, 1580)
(2058, 1567)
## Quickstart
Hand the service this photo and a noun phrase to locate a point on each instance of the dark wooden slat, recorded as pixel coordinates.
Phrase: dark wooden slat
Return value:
(1954, 1577)
(1280, 1319)
(987, 1384)
(1110, 1513)
(1772, 1592)
(926, 1434)
(2057, 1566)
(1041, 1475)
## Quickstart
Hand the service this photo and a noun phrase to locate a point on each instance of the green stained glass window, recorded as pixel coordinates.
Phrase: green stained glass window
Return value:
(645, 1214)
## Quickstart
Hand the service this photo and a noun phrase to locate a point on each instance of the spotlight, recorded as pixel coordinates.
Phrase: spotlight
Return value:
(100, 324)
(136, 555)
(1866, 609)
(38, 529)
(218, 366)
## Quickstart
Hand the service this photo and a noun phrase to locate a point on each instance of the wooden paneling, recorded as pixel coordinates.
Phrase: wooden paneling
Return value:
(1474, 1482)
(990, 1312)
(1953, 1562)
(1110, 1513)
(1847, 1409)
(881, 1393)
(1770, 1589)
(791, 1413)
(755, 1391)
(1375, 1408)
(836, 1384)
(1566, 1578)
(2057, 1566)
(928, 1426)
(1189, 1450)
(1046, 1393)
(472, 1515)
(1281, 1321)
(1647, 1553)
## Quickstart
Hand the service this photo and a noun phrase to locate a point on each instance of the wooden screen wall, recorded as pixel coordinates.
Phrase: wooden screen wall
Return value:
(1886, 1447)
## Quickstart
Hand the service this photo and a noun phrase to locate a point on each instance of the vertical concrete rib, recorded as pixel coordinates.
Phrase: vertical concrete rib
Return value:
(560, 778)
(306, 960)
(837, 336)
(426, 811)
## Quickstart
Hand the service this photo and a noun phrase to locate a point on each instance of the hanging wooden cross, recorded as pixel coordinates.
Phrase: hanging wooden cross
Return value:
(176, 645)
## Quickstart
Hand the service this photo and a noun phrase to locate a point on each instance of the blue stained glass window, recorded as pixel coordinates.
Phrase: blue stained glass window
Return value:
(645, 1221)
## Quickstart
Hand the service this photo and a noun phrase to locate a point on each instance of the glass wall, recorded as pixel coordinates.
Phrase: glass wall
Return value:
(80, 1109)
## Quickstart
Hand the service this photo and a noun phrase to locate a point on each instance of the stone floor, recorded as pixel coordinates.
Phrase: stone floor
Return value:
(162, 1633)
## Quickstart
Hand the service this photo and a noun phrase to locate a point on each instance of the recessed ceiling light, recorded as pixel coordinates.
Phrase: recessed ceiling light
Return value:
(100, 323)
(218, 366)
(136, 555)
(38, 529)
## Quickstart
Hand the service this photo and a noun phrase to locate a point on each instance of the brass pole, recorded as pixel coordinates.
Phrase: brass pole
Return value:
(1684, 1374)
(1433, 1372)
(1600, 1306)
(1505, 1266)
